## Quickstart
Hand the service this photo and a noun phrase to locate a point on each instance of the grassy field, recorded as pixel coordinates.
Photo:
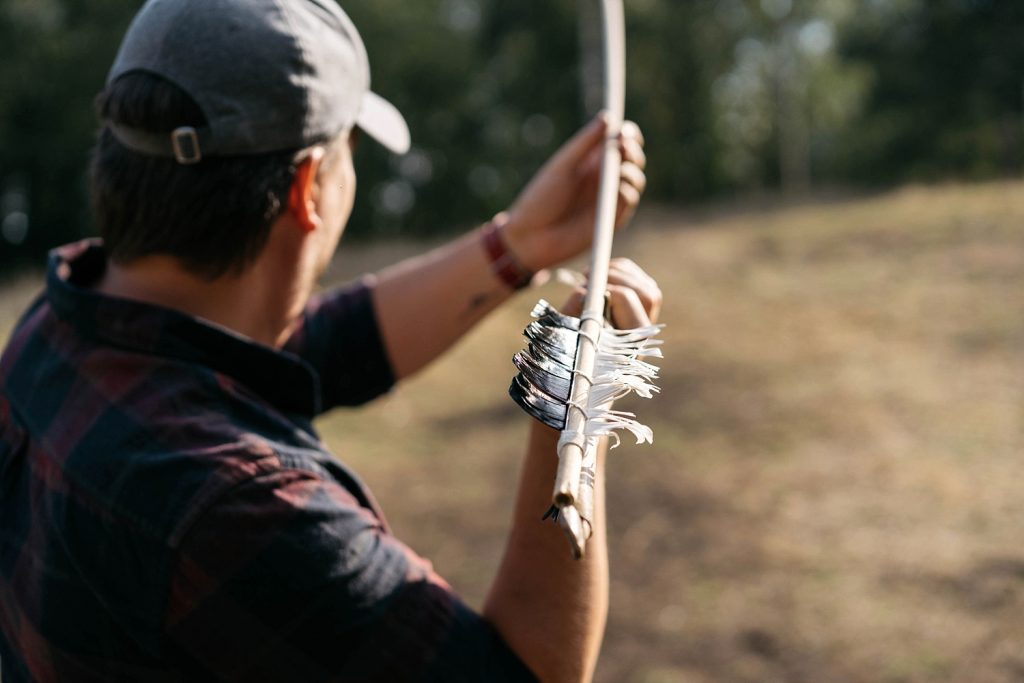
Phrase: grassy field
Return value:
(834, 490)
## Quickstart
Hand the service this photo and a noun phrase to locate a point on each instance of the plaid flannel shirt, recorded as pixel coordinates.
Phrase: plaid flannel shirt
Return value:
(167, 512)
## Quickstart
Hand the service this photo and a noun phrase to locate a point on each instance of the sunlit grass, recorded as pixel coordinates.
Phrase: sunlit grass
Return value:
(833, 493)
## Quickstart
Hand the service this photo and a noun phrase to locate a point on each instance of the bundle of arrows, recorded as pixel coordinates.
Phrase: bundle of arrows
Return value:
(575, 368)
(544, 388)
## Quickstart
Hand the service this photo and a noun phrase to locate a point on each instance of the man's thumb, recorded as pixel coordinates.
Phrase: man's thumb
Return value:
(579, 145)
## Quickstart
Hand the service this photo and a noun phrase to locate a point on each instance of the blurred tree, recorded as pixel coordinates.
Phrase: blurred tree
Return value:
(946, 99)
(787, 94)
(489, 88)
(733, 95)
(675, 51)
(54, 55)
(495, 86)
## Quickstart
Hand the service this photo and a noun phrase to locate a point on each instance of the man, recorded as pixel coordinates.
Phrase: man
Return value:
(168, 512)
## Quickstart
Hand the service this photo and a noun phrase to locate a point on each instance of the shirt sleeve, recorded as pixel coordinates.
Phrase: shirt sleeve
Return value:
(287, 578)
(339, 337)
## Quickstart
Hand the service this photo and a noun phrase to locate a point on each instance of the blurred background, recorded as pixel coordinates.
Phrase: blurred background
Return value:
(736, 96)
(836, 216)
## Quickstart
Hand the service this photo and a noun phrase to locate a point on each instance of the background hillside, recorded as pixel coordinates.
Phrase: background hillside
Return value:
(834, 489)
(834, 492)
(836, 216)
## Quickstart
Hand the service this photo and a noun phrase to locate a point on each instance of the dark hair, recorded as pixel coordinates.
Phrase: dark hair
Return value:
(214, 217)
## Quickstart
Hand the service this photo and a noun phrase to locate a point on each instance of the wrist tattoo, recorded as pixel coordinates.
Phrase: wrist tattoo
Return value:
(504, 264)
(481, 300)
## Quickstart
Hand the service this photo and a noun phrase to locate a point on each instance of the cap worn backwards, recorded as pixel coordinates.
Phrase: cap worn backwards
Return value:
(268, 75)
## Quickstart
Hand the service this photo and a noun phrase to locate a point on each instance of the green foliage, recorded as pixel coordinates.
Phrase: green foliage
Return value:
(489, 89)
(54, 55)
(947, 93)
(733, 96)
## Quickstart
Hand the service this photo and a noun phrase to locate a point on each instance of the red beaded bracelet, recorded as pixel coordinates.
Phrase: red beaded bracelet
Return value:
(504, 264)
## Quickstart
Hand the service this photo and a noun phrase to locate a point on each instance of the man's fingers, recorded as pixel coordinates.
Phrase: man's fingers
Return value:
(631, 143)
(629, 199)
(591, 164)
(633, 152)
(573, 152)
(631, 130)
(574, 306)
(626, 273)
(587, 153)
(625, 308)
(634, 175)
(584, 150)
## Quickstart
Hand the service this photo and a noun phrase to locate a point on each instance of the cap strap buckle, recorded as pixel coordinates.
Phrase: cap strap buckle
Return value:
(185, 142)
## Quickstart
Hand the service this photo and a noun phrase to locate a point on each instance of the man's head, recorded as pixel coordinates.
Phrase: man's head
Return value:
(211, 108)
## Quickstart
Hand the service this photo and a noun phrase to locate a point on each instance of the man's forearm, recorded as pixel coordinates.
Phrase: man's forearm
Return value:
(550, 608)
(425, 304)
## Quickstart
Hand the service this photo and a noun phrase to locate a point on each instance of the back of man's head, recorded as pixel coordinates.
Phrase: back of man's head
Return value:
(205, 109)
(213, 216)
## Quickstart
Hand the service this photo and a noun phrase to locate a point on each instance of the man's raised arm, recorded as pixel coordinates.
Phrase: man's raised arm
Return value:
(550, 608)
(425, 304)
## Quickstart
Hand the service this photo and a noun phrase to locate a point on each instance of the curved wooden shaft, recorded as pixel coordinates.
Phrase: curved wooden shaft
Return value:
(575, 450)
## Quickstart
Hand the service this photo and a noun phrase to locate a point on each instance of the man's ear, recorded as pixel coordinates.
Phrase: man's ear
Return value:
(301, 197)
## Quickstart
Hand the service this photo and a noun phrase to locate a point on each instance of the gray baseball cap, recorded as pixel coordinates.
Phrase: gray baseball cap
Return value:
(269, 75)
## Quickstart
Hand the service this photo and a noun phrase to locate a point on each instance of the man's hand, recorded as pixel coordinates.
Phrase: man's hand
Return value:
(553, 218)
(424, 304)
(550, 608)
(634, 298)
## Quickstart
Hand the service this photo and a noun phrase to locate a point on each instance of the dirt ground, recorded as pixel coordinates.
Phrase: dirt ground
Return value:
(833, 494)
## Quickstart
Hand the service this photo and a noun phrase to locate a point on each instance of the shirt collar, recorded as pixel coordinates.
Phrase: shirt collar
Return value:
(282, 379)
